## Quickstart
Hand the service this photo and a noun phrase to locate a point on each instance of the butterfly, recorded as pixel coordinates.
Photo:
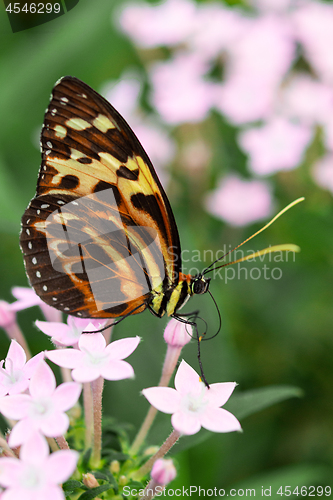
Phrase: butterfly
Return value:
(99, 238)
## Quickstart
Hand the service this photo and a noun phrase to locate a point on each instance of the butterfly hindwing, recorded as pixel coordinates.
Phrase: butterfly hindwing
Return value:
(100, 233)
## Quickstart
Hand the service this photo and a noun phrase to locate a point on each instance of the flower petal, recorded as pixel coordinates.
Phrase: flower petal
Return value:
(185, 422)
(121, 349)
(165, 399)
(67, 358)
(117, 370)
(187, 380)
(15, 407)
(86, 373)
(66, 395)
(219, 420)
(43, 382)
(92, 342)
(61, 465)
(21, 432)
(219, 393)
(35, 449)
(9, 470)
(54, 425)
(16, 354)
(52, 328)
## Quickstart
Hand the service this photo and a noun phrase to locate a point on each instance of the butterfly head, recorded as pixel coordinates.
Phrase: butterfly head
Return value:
(199, 284)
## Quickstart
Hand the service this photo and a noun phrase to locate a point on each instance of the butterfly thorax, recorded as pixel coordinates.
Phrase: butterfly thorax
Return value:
(169, 301)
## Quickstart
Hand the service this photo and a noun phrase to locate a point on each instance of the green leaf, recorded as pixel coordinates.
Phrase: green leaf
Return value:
(244, 404)
(94, 492)
(71, 485)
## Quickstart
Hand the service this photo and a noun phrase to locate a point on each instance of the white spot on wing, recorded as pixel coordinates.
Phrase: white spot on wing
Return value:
(34, 260)
(78, 124)
(49, 145)
(103, 123)
(60, 131)
(30, 245)
(38, 274)
(63, 100)
(45, 288)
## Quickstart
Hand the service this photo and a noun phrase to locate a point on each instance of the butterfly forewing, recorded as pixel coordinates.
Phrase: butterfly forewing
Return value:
(100, 235)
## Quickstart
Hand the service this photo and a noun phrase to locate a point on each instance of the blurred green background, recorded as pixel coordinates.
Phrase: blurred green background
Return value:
(274, 331)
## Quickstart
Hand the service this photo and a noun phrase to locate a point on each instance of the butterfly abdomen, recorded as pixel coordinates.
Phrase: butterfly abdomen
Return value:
(168, 301)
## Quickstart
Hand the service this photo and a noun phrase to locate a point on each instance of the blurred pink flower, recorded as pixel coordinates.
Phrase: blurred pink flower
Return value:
(163, 471)
(37, 475)
(215, 29)
(193, 405)
(306, 99)
(322, 172)
(313, 25)
(243, 98)
(66, 335)
(157, 143)
(168, 23)
(277, 145)
(279, 6)
(124, 94)
(240, 202)
(180, 92)
(27, 297)
(265, 50)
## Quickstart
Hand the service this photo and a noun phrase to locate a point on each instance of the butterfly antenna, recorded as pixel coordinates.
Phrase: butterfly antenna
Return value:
(219, 316)
(276, 248)
(199, 339)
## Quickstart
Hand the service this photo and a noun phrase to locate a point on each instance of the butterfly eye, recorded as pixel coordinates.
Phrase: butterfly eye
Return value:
(200, 285)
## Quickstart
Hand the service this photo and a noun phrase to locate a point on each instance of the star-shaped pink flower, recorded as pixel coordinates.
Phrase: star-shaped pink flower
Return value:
(14, 378)
(42, 410)
(94, 359)
(36, 475)
(193, 405)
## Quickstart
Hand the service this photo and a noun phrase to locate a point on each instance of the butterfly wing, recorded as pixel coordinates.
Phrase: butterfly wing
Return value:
(100, 233)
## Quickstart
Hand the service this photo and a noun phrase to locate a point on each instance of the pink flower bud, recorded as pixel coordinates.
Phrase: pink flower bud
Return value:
(163, 471)
(177, 334)
(90, 481)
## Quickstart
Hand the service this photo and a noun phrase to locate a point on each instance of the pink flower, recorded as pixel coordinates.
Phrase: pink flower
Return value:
(168, 23)
(69, 334)
(27, 297)
(240, 202)
(94, 359)
(163, 471)
(180, 92)
(307, 100)
(36, 475)
(323, 172)
(313, 27)
(43, 409)
(245, 98)
(124, 94)
(193, 405)
(277, 145)
(215, 29)
(14, 378)
(265, 51)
